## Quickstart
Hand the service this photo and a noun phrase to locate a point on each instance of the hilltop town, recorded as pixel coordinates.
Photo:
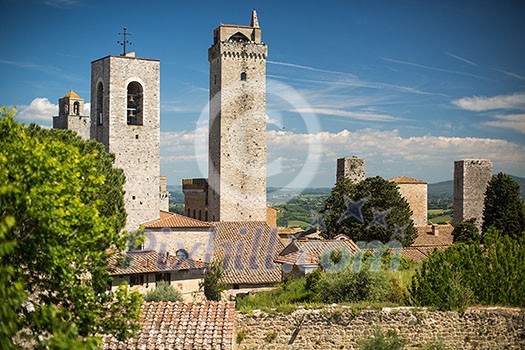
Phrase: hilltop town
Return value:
(228, 229)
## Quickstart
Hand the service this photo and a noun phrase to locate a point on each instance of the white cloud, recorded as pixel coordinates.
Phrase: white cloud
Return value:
(462, 59)
(481, 103)
(509, 121)
(361, 115)
(61, 3)
(39, 110)
(293, 65)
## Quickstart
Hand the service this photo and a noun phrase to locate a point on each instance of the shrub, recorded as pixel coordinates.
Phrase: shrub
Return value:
(489, 273)
(212, 283)
(350, 286)
(466, 231)
(381, 341)
(163, 292)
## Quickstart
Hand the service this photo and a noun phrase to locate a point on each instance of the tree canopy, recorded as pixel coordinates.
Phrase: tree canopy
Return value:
(466, 231)
(61, 233)
(372, 209)
(504, 208)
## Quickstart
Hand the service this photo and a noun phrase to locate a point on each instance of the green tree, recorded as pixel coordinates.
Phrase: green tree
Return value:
(503, 206)
(372, 209)
(466, 231)
(61, 240)
(163, 292)
(212, 283)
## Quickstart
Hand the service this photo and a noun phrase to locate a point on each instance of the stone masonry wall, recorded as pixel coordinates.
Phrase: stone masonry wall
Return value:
(340, 328)
(471, 177)
(416, 196)
(237, 139)
(352, 168)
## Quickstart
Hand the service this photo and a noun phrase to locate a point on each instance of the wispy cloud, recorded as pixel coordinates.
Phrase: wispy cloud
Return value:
(61, 3)
(481, 103)
(31, 65)
(293, 65)
(461, 59)
(438, 69)
(514, 122)
(511, 74)
(360, 115)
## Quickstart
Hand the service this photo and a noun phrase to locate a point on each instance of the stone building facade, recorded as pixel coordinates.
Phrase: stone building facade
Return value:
(164, 195)
(195, 198)
(70, 115)
(415, 193)
(237, 135)
(125, 117)
(351, 168)
(471, 178)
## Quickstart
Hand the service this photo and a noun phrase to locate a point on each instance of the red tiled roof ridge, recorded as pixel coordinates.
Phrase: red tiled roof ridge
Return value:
(408, 180)
(173, 220)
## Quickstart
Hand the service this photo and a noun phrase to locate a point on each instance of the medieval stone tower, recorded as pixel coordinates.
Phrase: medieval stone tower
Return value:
(237, 136)
(471, 177)
(125, 117)
(351, 168)
(70, 110)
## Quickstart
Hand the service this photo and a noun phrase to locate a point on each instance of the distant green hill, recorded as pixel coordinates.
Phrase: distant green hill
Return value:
(445, 189)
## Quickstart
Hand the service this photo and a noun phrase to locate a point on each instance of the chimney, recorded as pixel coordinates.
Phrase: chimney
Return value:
(435, 229)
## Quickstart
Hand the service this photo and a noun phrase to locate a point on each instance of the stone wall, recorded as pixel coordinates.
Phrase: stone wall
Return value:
(352, 168)
(416, 196)
(471, 177)
(340, 328)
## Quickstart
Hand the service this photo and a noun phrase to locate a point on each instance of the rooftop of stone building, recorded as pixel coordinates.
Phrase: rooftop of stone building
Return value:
(426, 238)
(406, 180)
(71, 94)
(311, 251)
(150, 262)
(181, 325)
(174, 220)
(248, 250)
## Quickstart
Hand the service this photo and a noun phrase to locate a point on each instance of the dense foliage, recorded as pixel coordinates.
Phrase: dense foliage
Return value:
(381, 341)
(59, 242)
(212, 283)
(490, 273)
(466, 231)
(372, 209)
(504, 208)
(164, 291)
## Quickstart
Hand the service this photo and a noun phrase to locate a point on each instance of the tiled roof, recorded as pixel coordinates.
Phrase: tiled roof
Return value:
(425, 237)
(150, 262)
(173, 220)
(71, 94)
(179, 325)
(406, 180)
(248, 250)
(300, 252)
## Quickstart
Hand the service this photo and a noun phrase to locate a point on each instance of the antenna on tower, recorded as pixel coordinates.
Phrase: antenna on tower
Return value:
(125, 41)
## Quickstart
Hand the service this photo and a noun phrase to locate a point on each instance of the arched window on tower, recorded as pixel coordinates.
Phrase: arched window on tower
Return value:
(182, 253)
(100, 103)
(76, 108)
(238, 38)
(134, 107)
(243, 76)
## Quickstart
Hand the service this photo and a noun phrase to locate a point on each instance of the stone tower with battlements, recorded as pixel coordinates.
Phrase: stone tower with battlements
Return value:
(237, 135)
(471, 177)
(125, 117)
(351, 168)
(70, 115)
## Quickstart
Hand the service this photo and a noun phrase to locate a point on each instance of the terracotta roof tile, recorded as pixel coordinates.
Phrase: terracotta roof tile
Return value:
(181, 325)
(172, 220)
(300, 252)
(406, 180)
(425, 237)
(248, 250)
(150, 262)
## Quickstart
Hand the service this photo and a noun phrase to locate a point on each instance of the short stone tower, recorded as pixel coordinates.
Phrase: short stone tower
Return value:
(237, 136)
(415, 193)
(351, 168)
(125, 117)
(70, 115)
(471, 177)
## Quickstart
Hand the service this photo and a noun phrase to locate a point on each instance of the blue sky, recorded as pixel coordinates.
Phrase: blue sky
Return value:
(410, 86)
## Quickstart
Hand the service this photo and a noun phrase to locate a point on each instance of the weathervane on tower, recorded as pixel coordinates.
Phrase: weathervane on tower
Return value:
(125, 41)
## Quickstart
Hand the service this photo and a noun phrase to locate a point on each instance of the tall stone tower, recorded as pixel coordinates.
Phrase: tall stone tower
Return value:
(351, 168)
(70, 115)
(471, 177)
(237, 136)
(415, 193)
(125, 117)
